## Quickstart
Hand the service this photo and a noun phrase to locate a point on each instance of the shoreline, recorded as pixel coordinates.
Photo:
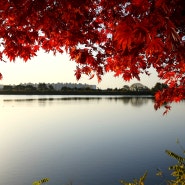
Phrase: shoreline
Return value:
(80, 93)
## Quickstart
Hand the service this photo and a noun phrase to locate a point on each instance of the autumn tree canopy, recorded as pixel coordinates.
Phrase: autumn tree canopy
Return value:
(126, 37)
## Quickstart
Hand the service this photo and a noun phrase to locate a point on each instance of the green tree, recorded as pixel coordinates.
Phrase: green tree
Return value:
(19, 88)
(42, 87)
(51, 88)
(30, 88)
(7, 88)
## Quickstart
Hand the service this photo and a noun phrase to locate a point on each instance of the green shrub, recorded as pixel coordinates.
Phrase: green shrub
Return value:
(42, 181)
(178, 172)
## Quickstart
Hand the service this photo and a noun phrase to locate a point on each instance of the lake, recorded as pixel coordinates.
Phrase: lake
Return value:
(86, 140)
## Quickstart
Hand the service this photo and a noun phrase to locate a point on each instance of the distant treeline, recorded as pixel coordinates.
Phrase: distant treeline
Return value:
(44, 89)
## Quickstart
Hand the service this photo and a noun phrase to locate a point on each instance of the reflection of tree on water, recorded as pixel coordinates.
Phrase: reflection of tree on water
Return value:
(126, 100)
(137, 102)
(134, 101)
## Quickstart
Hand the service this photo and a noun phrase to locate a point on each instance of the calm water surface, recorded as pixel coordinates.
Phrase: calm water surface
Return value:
(85, 140)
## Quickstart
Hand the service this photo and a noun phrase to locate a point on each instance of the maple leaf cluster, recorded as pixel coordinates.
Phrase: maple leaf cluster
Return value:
(126, 37)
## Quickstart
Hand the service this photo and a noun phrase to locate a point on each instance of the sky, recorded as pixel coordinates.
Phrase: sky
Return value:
(47, 68)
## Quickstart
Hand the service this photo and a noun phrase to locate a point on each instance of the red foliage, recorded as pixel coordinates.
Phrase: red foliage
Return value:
(1, 76)
(126, 37)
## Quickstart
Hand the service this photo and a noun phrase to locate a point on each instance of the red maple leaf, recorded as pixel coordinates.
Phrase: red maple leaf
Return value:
(125, 38)
(1, 76)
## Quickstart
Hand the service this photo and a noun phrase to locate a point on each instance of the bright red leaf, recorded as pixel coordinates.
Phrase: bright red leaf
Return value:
(102, 36)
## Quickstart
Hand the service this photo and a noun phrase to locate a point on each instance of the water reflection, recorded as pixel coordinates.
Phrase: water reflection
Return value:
(90, 140)
(136, 101)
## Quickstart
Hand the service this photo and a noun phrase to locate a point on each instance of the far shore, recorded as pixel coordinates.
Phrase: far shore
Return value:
(103, 93)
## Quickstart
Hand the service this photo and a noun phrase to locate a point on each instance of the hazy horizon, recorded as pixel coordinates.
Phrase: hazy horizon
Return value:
(47, 68)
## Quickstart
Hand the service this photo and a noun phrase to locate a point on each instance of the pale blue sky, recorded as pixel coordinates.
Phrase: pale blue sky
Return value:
(52, 69)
